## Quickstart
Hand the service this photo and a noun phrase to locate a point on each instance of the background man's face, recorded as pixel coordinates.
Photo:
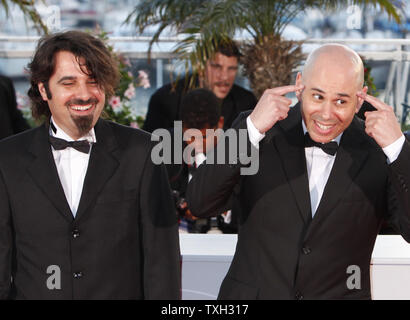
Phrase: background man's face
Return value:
(76, 99)
(220, 74)
(329, 101)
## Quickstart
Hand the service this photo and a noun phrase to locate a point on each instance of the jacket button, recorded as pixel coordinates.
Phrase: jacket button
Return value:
(75, 233)
(298, 296)
(77, 275)
(306, 250)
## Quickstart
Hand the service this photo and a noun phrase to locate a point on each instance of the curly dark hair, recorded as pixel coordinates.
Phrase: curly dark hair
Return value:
(98, 64)
(200, 109)
(227, 47)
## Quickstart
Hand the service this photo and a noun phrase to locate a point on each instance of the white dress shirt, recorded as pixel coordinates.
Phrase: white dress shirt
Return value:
(319, 164)
(71, 166)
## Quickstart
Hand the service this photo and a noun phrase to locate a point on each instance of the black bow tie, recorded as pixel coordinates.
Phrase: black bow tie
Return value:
(60, 144)
(329, 148)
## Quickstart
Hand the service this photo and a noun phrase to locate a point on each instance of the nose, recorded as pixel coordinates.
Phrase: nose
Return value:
(223, 74)
(326, 113)
(83, 92)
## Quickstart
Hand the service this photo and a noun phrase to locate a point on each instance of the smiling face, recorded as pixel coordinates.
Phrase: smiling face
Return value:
(75, 99)
(329, 101)
(220, 73)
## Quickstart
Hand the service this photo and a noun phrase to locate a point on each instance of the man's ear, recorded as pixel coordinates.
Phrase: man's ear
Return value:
(43, 91)
(361, 100)
(299, 82)
(221, 122)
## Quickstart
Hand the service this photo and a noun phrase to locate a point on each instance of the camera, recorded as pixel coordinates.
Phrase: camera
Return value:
(180, 203)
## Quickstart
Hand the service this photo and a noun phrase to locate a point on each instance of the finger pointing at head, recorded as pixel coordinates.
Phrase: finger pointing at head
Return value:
(286, 89)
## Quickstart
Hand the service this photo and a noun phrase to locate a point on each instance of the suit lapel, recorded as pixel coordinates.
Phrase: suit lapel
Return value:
(101, 166)
(350, 158)
(290, 147)
(44, 172)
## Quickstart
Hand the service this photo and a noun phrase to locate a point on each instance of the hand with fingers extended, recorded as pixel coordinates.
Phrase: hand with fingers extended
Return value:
(272, 107)
(381, 124)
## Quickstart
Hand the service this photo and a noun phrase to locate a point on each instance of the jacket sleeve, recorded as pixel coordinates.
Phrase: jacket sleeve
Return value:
(399, 193)
(6, 243)
(159, 228)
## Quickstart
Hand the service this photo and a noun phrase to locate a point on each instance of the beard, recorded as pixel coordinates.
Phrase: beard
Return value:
(83, 123)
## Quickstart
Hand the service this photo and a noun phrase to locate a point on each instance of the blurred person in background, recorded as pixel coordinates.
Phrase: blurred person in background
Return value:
(219, 77)
(11, 119)
(200, 111)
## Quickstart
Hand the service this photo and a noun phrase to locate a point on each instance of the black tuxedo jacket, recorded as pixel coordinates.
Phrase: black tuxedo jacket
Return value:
(165, 106)
(282, 253)
(123, 242)
(11, 119)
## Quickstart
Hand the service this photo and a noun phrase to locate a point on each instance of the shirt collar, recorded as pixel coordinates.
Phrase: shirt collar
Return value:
(337, 139)
(90, 136)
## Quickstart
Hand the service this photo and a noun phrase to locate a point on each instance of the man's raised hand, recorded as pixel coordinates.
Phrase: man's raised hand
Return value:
(381, 124)
(272, 107)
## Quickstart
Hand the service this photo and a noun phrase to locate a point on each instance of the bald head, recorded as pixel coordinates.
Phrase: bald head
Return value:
(332, 78)
(335, 58)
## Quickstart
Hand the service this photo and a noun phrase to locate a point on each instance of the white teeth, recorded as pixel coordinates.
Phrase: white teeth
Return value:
(321, 126)
(81, 108)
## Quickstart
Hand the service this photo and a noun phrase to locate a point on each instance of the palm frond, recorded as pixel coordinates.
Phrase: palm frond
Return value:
(201, 22)
(29, 11)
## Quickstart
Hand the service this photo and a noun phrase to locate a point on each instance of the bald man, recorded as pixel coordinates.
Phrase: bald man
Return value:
(326, 181)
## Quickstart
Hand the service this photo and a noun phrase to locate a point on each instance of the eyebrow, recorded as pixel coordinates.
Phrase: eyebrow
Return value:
(66, 78)
(216, 64)
(339, 94)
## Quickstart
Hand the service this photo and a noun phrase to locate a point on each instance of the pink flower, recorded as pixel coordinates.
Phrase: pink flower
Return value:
(22, 101)
(130, 92)
(115, 102)
(143, 79)
(124, 60)
(134, 125)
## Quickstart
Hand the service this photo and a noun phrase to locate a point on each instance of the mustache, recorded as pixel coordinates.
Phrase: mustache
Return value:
(222, 83)
(80, 102)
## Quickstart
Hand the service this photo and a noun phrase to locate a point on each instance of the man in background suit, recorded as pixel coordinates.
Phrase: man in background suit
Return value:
(326, 181)
(220, 72)
(84, 212)
(11, 119)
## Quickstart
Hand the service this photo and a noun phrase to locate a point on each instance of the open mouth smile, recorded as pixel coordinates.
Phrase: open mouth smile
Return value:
(82, 108)
(324, 127)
